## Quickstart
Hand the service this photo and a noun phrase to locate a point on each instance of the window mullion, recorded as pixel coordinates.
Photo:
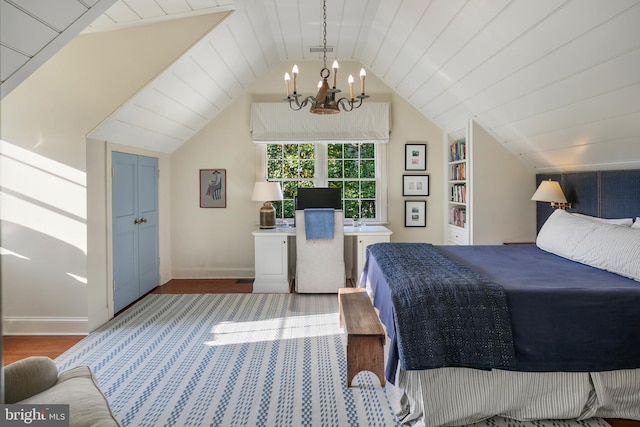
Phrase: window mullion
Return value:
(321, 175)
(382, 181)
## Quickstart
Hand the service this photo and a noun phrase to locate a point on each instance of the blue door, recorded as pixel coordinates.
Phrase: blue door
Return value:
(135, 227)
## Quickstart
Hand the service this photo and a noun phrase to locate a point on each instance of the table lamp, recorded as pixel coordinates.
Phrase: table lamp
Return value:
(265, 191)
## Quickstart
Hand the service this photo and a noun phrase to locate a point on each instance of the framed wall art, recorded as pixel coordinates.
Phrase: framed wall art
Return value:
(415, 213)
(415, 157)
(213, 188)
(415, 185)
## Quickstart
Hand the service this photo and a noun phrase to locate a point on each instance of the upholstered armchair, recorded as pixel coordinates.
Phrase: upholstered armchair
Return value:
(35, 380)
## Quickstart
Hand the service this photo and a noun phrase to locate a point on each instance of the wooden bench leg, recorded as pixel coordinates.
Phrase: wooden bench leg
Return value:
(365, 353)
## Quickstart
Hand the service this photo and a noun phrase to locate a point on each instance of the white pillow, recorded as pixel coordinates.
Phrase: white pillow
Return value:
(616, 221)
(636, 223)
(605, 246)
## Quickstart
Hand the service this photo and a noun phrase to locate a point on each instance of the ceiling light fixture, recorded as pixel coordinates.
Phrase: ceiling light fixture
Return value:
(325, 101)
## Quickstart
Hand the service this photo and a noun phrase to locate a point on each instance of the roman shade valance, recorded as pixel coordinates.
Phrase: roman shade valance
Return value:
(275, 122)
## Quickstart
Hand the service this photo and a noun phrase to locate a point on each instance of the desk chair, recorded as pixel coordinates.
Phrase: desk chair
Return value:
(320, 264)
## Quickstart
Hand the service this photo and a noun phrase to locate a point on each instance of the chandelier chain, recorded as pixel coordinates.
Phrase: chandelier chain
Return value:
(324, 32)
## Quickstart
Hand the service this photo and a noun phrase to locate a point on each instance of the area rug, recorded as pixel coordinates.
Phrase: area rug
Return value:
(230, 360)
(236, 360)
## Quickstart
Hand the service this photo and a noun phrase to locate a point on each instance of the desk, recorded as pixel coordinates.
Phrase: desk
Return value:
(275, 247)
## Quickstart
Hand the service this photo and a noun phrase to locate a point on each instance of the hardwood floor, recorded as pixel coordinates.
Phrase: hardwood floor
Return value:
(205, 286)
(19, 347)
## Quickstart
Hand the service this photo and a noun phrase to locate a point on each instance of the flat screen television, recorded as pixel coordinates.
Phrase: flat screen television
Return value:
(319, 197)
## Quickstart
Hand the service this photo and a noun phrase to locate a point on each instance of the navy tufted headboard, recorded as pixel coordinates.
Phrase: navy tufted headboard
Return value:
(605, 194)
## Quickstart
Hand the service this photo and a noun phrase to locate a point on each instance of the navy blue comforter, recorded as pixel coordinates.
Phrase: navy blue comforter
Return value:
(445, 313)
(564, 316)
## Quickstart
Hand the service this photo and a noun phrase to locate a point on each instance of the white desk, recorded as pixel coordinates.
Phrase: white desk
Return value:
(275, 247)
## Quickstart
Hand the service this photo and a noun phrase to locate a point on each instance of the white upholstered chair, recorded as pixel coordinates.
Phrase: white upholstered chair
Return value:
(320, 266)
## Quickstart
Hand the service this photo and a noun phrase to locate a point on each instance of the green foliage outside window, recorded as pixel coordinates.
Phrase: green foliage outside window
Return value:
(294, 166)
(350, 167)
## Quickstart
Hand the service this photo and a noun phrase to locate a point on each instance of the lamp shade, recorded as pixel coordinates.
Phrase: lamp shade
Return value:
(549, 191)
(265, 191)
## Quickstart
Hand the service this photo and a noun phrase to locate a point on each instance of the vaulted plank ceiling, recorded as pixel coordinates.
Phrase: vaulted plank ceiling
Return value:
(556, 81)
(33, 31)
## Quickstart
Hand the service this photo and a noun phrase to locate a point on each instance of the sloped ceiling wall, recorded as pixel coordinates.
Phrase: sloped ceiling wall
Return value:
(556, 81)
(198, 86)
(33, 31)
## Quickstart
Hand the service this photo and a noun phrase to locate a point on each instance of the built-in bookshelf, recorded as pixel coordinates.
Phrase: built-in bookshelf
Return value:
(488, 190)
(457, 187)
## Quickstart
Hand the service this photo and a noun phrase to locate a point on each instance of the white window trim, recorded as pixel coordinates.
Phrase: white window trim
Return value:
(321, 180)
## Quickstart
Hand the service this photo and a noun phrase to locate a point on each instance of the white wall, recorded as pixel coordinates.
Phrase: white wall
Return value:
(52, 242)
(410, 126)
(503, 184)
(215, 242)
(218, 242)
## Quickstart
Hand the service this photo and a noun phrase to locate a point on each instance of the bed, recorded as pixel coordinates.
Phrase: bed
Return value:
(543, 331)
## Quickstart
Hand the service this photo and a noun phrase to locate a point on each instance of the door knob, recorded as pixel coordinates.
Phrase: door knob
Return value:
(136, 221)
(143, 220)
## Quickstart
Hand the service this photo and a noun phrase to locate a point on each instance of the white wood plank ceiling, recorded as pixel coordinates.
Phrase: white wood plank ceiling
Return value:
(32, 31)
(126, 13)
(556, 81)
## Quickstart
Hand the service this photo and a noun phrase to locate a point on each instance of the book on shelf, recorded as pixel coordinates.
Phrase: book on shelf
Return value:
(458, 217)
(458, 150)
(458, 172)
(459, 193)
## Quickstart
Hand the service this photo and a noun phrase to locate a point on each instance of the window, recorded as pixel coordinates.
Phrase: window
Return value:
(356, 168)
(352, 168)
(293, 165)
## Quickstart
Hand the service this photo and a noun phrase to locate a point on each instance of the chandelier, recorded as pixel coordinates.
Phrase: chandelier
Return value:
(325, 101)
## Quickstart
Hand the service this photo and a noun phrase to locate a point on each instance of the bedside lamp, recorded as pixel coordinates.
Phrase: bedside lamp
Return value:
(266, 192)
(550, 191)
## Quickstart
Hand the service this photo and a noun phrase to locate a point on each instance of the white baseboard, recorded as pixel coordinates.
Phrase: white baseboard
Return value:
(23, 325)
(210, 273)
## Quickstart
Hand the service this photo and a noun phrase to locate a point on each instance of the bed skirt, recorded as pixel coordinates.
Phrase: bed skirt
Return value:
(461, 396)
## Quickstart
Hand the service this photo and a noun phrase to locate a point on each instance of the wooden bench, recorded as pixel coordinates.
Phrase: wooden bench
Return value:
(365, 336)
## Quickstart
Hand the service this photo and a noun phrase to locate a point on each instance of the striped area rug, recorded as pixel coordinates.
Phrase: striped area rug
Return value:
(236, 360)
(230, 360)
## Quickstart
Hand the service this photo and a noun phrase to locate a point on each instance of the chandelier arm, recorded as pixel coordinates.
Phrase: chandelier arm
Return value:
(296, 105)
(348, 104)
